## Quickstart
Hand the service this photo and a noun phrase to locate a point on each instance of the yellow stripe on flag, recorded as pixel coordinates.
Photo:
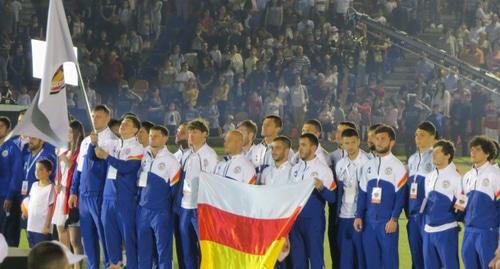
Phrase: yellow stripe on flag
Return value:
(216, 256)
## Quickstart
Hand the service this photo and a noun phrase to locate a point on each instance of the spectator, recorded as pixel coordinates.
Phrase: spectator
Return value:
(299, 99)
(460, 116)
(110, 76)
(441, 99)
(228, 124)
(24, 98)
(213, 116)
(491, 120)
(172, 118)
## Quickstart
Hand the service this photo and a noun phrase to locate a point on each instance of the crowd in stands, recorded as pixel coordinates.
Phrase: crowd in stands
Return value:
(227, 60)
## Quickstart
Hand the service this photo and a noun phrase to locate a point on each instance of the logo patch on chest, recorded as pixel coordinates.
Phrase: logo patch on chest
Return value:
(237, 170)
(162, 166)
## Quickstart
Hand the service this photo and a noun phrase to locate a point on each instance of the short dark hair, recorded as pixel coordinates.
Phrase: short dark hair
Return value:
(130, 114)
(497, 148)
(348, 123)
(276, 119)
(160, 128)
(198, 124)
(386, 129)
(350, 132)
(316, 124)
(6, 121)
(103, 108)
(284, 139)
(147, 125)
(45, 255)
(447, 147)
(311, 137)
(47, 164)
(249, 125)
(428, 127)
(373, 127)
(486, 145)
(113, 122)
(135, 121)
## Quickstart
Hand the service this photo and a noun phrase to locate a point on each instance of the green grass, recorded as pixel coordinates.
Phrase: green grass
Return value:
(463, 166)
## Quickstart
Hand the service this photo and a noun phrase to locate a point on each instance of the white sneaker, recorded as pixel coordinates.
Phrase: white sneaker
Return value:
(433, 25)
(440, 26)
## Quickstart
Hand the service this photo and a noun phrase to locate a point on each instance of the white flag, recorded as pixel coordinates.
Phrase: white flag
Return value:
(47, 116)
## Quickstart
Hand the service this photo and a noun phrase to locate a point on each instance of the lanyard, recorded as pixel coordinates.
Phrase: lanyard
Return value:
(304, 170)
(228, 165)
(435, 181)
(418, 166)
(349, 174)
(33, 161)
(378, 169)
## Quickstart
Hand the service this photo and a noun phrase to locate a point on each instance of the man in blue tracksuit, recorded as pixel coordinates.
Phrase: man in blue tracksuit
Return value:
(119, 204)
(419, 165)
(159, 172)
(334, 158)
(482, 207)
(181, 155)
(307, 235)
(87, 187)
(348, 174)
(201, 158)
(443, 187)
(36, 150)
(380, 202)
(11, 173)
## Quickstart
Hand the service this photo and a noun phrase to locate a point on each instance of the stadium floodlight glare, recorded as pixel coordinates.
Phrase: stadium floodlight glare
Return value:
(38, 52)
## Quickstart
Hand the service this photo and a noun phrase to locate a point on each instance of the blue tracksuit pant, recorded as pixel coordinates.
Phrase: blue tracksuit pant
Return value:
(92, 230)
(478, 247)
(178, 240)
(381, 248)
(119, 222)
(306, 243)
(188, 222)
(350, 242)
(415, 230)
(441, 249)
(10, 226)
(35, 238)
(154, 226)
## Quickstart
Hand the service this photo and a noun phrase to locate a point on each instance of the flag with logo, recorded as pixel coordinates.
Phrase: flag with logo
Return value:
(47, 115)
(246, 226)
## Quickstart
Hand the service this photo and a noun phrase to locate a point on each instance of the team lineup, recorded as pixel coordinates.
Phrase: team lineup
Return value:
(134, 195)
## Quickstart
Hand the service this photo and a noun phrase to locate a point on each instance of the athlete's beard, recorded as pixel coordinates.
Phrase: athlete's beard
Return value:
(372, 148)
(183, 143)
(383, 150)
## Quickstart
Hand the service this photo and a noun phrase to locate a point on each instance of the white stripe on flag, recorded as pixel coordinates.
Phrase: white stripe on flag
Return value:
(253, 201)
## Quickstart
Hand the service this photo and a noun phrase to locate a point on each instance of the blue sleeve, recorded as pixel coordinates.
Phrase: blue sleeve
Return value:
(361, 204)
(17, 173)
(399, 202)
(75, 182)
(122, 166)
(328, 195)
(177, 194)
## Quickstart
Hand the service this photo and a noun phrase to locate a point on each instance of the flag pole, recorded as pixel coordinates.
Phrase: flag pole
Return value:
(85, 95)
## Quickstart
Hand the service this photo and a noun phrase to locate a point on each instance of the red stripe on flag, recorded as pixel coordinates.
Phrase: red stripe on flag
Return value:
(249, 235)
